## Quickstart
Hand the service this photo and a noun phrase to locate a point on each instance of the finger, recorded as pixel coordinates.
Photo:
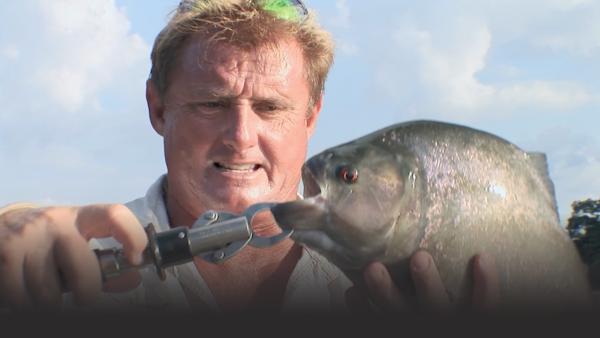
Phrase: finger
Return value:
(12, 286)
(431, 293)
(486, 284)
(116, 220)
(79, 266)
(381, 288)
(42, 280)
(128, 280)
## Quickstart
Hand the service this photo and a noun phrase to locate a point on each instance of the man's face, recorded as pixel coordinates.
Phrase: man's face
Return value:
(235, 126)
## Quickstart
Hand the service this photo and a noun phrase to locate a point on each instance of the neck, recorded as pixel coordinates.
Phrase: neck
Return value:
(253, 279)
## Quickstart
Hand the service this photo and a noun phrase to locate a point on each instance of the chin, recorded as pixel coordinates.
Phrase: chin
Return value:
(238, 197)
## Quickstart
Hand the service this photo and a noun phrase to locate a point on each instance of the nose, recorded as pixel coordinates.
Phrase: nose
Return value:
(241, 129)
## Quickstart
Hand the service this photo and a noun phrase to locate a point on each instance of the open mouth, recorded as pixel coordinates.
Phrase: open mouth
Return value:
(239, 168)
(305, 215)
(311, 186)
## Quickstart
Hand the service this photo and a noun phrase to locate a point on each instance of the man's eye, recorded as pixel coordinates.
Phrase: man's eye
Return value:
(268, 107)
(212, 104)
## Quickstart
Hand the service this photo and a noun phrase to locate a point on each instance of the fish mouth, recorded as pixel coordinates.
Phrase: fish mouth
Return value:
(312, 188)
(304, 214)
(310, 218)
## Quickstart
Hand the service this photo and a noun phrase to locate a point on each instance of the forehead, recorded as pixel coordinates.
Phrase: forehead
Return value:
(278, 61)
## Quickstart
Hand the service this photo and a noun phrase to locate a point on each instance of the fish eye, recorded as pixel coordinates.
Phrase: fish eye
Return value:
(348, 174)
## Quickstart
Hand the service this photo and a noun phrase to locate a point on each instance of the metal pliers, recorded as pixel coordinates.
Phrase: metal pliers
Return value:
(214, 236)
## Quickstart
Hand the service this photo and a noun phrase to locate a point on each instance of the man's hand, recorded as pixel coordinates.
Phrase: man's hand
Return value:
(430, 292)
(44, 250)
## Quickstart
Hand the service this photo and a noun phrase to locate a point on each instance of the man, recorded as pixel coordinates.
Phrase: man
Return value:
(236, 89)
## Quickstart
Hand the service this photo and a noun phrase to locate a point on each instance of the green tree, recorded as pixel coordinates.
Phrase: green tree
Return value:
(584, 230)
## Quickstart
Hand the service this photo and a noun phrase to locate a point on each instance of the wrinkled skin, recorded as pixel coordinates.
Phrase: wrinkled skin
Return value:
(448, 189)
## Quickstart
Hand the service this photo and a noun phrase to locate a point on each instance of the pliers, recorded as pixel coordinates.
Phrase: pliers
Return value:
(215, 237)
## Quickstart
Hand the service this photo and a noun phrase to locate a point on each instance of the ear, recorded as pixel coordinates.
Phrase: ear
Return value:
(156, 107)
(311, 120)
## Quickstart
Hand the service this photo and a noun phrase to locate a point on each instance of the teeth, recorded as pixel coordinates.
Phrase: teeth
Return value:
(237, 167)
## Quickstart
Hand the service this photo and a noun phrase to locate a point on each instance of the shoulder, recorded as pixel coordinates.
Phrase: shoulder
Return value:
(152, 208)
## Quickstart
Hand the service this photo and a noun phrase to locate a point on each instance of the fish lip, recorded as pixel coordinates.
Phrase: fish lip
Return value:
(312, 187)
(292, 214)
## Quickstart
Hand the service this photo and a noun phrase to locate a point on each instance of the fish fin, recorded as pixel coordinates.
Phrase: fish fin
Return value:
(540, 162)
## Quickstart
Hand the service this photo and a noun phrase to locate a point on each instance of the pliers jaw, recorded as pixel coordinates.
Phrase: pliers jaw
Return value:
(213, 218)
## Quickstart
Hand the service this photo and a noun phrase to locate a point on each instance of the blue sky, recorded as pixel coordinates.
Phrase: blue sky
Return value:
(74, 126)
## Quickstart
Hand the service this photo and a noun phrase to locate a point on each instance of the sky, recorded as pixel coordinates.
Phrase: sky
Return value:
(74, 125)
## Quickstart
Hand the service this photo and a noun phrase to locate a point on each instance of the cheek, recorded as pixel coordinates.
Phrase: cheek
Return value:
(353, 220)
(184, 142)
(368, 207)
(286, 148)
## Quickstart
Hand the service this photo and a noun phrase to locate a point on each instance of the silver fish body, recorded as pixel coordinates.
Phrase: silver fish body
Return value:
(451, 190)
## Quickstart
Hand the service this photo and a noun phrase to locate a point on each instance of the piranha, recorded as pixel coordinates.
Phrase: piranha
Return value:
(449, 189)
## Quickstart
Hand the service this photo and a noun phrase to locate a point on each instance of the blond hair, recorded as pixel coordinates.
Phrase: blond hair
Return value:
(245, 24)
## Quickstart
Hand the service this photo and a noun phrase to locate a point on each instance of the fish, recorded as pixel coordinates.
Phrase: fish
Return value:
(449, 189)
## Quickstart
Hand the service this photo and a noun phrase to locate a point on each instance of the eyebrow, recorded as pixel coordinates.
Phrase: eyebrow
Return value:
(224, 94)
(212, 93)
